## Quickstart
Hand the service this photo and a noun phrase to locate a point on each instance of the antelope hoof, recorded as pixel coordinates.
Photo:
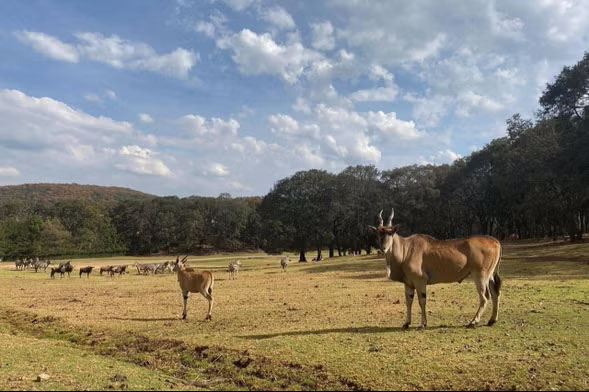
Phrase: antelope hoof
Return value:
(405, 326)
(209, 317)
(491, 322)
(471, 325)
(183, 316)
(422, 327)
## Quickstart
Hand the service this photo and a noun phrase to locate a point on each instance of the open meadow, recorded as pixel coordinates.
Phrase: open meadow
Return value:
(334, 324)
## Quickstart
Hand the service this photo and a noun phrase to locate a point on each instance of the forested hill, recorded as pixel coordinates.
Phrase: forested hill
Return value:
(531, 183)
(32, 193)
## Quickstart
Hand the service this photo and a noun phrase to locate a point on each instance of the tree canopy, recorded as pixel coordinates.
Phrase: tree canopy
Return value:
(533, 182)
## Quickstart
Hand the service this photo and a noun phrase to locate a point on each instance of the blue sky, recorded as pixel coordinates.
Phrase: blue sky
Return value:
(202, 97)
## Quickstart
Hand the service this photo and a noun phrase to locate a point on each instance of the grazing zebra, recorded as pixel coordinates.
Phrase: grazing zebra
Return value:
(234, 269)
(284, 262)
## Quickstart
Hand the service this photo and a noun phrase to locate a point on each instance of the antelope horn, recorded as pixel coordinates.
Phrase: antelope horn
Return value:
(184, 259)
(380, 218)
(391, 217)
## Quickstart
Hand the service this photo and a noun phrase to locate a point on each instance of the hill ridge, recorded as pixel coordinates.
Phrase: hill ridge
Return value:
(36, 192)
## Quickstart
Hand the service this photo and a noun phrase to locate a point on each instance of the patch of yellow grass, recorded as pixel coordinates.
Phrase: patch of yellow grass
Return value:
(341, 315)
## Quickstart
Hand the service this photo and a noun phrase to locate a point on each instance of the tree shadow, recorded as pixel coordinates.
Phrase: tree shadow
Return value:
(366, 264)
(345, 330)
(144, 319)
(533, 267)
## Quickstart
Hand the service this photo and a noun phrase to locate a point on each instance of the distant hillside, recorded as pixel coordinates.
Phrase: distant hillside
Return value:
(57, 192)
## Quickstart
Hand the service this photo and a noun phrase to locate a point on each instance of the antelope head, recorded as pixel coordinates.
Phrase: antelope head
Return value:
(179, 264)
(384, 232)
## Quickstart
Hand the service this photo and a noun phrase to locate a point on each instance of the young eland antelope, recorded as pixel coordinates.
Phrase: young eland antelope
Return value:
(193, 281)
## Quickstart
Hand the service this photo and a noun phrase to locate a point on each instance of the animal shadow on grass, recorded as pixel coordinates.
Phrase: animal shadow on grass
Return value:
(344, 330)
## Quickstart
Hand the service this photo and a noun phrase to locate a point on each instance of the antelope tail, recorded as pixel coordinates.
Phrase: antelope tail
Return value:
(496, 278)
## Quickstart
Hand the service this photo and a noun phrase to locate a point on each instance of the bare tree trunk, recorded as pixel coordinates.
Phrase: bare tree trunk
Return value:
(302, 258)
(331, 250)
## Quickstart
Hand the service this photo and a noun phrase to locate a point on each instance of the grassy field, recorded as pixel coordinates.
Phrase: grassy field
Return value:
(328, 325)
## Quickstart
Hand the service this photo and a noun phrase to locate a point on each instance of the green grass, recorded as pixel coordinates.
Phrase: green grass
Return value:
(328, 325)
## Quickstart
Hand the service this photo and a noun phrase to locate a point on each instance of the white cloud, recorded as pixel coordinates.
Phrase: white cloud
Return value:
(238, 186)
(215, 26)
(197, 126)
(378, 72)
(503, 25)
(44, 121)
(63, 143)
(141, 161)
(390, 125)
(375, 94)
(429, 110)
(429, 49)
(114, 51)
(278, 17)
(347, 134)
(98, 98)
(260, 54)
(311, 157)
(91, 97)
(145, 118)
(207, 28)
(249, 145)
(282, 123)
(121, 53)
(9, 172)
(471, 101)
(216, 169)
(302, 105)
(322, 36)
(82, 152)
(177, 63)
(363, 150)
(240, 5)
(441, 157)
(49, 46)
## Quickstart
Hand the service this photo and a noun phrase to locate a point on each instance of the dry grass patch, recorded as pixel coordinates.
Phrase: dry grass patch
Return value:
(328, 325)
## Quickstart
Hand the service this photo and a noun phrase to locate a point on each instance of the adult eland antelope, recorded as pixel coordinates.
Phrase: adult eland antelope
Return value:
(420, 260)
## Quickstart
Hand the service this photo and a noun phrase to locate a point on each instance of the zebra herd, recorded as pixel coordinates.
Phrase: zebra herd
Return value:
(111, 270)
(28, 262)
(154, 268)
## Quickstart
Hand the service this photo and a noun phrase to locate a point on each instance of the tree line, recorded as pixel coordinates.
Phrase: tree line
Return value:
(532, 183)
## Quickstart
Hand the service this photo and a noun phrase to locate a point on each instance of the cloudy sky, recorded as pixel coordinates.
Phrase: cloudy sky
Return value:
(202, 97)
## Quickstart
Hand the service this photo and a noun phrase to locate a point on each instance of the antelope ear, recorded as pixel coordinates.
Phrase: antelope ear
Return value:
(392, 230)
(373, 228)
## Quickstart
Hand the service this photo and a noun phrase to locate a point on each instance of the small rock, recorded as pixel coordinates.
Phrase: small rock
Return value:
(43, 377)
(397, 301)
(373, 349)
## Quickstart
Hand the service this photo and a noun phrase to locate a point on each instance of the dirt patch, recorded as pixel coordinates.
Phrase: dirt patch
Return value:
(210, 365)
